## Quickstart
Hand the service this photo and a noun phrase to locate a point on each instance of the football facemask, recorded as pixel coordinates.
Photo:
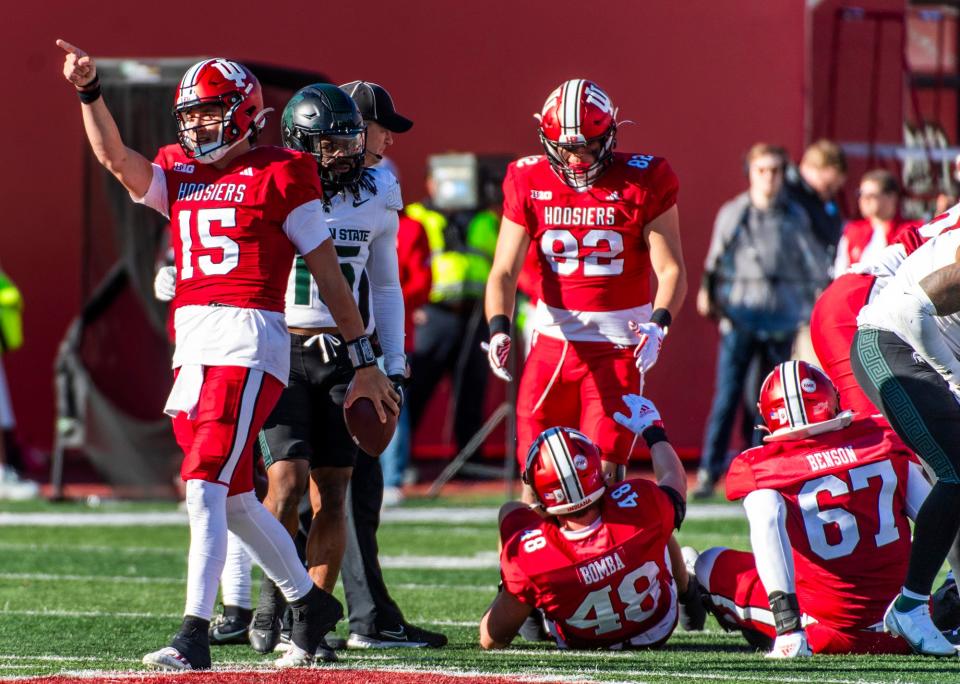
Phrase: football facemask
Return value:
(218, 104)
(578, 117)
(324, 121)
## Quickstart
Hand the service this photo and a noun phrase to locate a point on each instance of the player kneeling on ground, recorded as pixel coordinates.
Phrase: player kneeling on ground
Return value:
(828, 500)
(596, 559)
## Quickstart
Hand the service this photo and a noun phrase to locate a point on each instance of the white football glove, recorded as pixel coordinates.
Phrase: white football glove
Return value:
(498, 351)
(792, 645)
(648, 349)
(165, 284)
(643, 414)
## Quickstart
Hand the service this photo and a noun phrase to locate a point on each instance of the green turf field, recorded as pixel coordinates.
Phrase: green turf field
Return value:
(96, 597)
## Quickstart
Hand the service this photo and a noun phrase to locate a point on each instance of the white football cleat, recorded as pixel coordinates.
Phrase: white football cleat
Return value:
(167, 658)
(294, 657)
(690, 556)
(792, 645)
(917, 629)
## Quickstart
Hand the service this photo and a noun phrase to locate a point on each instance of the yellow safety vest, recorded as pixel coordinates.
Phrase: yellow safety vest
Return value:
(11, 315)
(458, 276)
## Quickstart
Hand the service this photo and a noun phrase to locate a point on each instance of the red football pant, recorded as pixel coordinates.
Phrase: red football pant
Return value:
(218, 444)
(739, 600)
(833, 324)
(577, 385)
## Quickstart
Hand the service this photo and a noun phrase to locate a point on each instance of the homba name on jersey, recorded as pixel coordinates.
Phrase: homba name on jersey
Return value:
(580, 216)
(600, 569)
(831, 458)
(204, 192)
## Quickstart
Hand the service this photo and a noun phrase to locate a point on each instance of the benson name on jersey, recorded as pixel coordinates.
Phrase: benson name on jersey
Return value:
(580, 216)
(205, 192)
(831, 458)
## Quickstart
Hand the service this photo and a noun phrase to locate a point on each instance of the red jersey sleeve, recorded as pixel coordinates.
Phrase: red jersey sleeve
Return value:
(515, 580)
(515, 205)
(663, 188)
(294, 182)
(740, 479)
(520, 519)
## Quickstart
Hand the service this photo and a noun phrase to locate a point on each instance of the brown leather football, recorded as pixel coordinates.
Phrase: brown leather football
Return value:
(365, 427)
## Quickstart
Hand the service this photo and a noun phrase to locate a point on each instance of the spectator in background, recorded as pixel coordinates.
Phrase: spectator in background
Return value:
(863, 239)
(462, 231)
(814, 185)
(12, 485)
(763, 271)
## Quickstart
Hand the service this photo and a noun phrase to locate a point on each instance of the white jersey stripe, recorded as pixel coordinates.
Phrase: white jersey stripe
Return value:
(790, 381)
(248, 404)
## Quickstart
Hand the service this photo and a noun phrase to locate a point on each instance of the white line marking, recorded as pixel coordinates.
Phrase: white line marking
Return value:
(119, 579)
(454, 516)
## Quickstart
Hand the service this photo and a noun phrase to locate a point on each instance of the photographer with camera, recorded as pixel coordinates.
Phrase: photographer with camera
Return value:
(762, 274)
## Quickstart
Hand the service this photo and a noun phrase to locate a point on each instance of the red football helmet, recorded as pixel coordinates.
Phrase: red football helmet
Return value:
(578, 114)
(795, 396)
(237, 92)
(563, 468)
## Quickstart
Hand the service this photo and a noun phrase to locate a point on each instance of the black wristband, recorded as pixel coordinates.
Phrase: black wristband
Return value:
(662, 318)
(360, 352)
(499, 324)
(786, 612)
(89, 96)
(91, 92)
(654, 435)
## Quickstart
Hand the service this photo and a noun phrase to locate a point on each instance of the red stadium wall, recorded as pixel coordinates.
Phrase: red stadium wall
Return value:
(701, 81)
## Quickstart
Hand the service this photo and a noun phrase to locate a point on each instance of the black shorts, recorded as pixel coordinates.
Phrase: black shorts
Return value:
(914, 398)
(307, 422)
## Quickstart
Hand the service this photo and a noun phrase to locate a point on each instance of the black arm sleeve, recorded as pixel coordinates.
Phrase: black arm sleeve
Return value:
(679, 505)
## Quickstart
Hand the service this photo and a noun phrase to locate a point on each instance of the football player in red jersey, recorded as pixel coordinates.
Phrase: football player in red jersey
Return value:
(600, 220)
(238, 212)
(833, 321)
(829, 497)
(596, 558)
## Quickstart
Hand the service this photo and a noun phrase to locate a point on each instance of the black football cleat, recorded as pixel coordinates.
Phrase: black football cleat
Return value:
(313, 616)
(946, 606)
(188, 650)
(264, 633)
(231, 627)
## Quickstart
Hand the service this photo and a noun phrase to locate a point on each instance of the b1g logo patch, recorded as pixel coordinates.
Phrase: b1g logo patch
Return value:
(183, 168)
(541, 194)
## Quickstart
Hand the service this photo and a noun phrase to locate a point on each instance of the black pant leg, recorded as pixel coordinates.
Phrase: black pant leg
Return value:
(368, 600)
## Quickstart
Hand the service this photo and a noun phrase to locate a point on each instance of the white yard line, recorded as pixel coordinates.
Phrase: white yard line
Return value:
(452, 516)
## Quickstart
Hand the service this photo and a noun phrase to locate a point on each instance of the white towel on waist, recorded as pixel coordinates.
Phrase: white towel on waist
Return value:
(185, 395)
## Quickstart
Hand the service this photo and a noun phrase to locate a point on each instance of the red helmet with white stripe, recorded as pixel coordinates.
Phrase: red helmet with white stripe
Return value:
(795, 396)
(222, 84)
(563, 468)
(578, 114)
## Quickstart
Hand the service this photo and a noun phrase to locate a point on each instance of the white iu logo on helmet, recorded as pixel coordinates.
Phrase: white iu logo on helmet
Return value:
(231, 71)
(599, 98)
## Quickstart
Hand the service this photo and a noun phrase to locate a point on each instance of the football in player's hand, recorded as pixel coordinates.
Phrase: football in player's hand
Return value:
(365, 427)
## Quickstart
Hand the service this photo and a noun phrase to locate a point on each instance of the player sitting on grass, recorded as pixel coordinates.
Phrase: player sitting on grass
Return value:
(828, 499)
(596, 559)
